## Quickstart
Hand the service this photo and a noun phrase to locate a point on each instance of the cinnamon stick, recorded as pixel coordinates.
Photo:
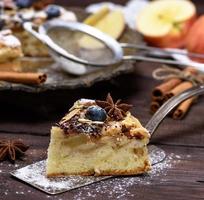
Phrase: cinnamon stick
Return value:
(178, 89)
(156, 103)
(182, 109)
(168, 85)
(171, 88)
(21, 77)
(160, 90)
(154, 106)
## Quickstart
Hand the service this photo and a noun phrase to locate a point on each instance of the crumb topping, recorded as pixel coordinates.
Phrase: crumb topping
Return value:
(76, 122)
(74, 125)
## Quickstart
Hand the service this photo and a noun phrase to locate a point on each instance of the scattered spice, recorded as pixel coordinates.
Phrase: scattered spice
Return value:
(117, 110)
(12, 149)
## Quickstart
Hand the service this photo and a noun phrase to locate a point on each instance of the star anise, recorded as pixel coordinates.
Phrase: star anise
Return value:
(12, 149)
(116, 110)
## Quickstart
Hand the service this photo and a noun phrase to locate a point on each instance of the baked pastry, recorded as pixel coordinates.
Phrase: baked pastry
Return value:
(10, 46)
(38, 12)
(98, 138)
(10, 49)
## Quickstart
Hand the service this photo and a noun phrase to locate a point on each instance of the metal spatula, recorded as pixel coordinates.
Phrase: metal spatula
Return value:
(35, 174)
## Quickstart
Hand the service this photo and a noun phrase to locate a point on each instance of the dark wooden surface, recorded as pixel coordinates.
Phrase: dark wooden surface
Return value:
(182, 140)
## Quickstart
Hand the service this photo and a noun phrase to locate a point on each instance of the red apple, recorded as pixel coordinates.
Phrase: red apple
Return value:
(195, 38)
(166, 23)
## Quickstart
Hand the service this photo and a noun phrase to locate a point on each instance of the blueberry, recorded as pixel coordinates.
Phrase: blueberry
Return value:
(52, 11)
(24, 3)
(96, 113)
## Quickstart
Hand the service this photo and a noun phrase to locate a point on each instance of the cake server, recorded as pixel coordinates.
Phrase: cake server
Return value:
(67, 58)
(34, 174)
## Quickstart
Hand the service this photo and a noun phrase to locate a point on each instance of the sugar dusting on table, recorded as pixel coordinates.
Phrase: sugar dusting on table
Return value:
(119, 187)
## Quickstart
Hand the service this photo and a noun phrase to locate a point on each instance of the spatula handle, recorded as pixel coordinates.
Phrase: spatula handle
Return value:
(168, 106)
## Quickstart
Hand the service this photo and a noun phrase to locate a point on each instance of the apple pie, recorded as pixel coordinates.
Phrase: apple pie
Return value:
(10, 49)
(37, 12)
(98, 138)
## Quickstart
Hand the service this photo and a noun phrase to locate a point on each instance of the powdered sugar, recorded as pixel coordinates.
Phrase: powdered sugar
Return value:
(35, 175)
(119, 188)
(112, 188)
(7, 39)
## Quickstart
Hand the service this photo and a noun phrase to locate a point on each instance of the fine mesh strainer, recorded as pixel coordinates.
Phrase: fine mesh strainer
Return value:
(64, 41)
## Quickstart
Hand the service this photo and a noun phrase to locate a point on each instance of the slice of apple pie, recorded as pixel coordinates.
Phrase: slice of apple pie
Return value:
(98, 138)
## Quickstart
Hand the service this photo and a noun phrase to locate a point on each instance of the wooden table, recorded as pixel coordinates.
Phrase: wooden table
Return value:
(181, 177)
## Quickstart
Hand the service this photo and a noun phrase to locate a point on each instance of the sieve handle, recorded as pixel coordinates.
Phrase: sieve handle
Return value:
(28, 26)
(157, 60)
(169, 105)
(162, 52)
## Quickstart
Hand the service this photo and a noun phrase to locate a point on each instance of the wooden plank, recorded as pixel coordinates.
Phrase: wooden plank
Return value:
(179, 180)
(176, 178)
